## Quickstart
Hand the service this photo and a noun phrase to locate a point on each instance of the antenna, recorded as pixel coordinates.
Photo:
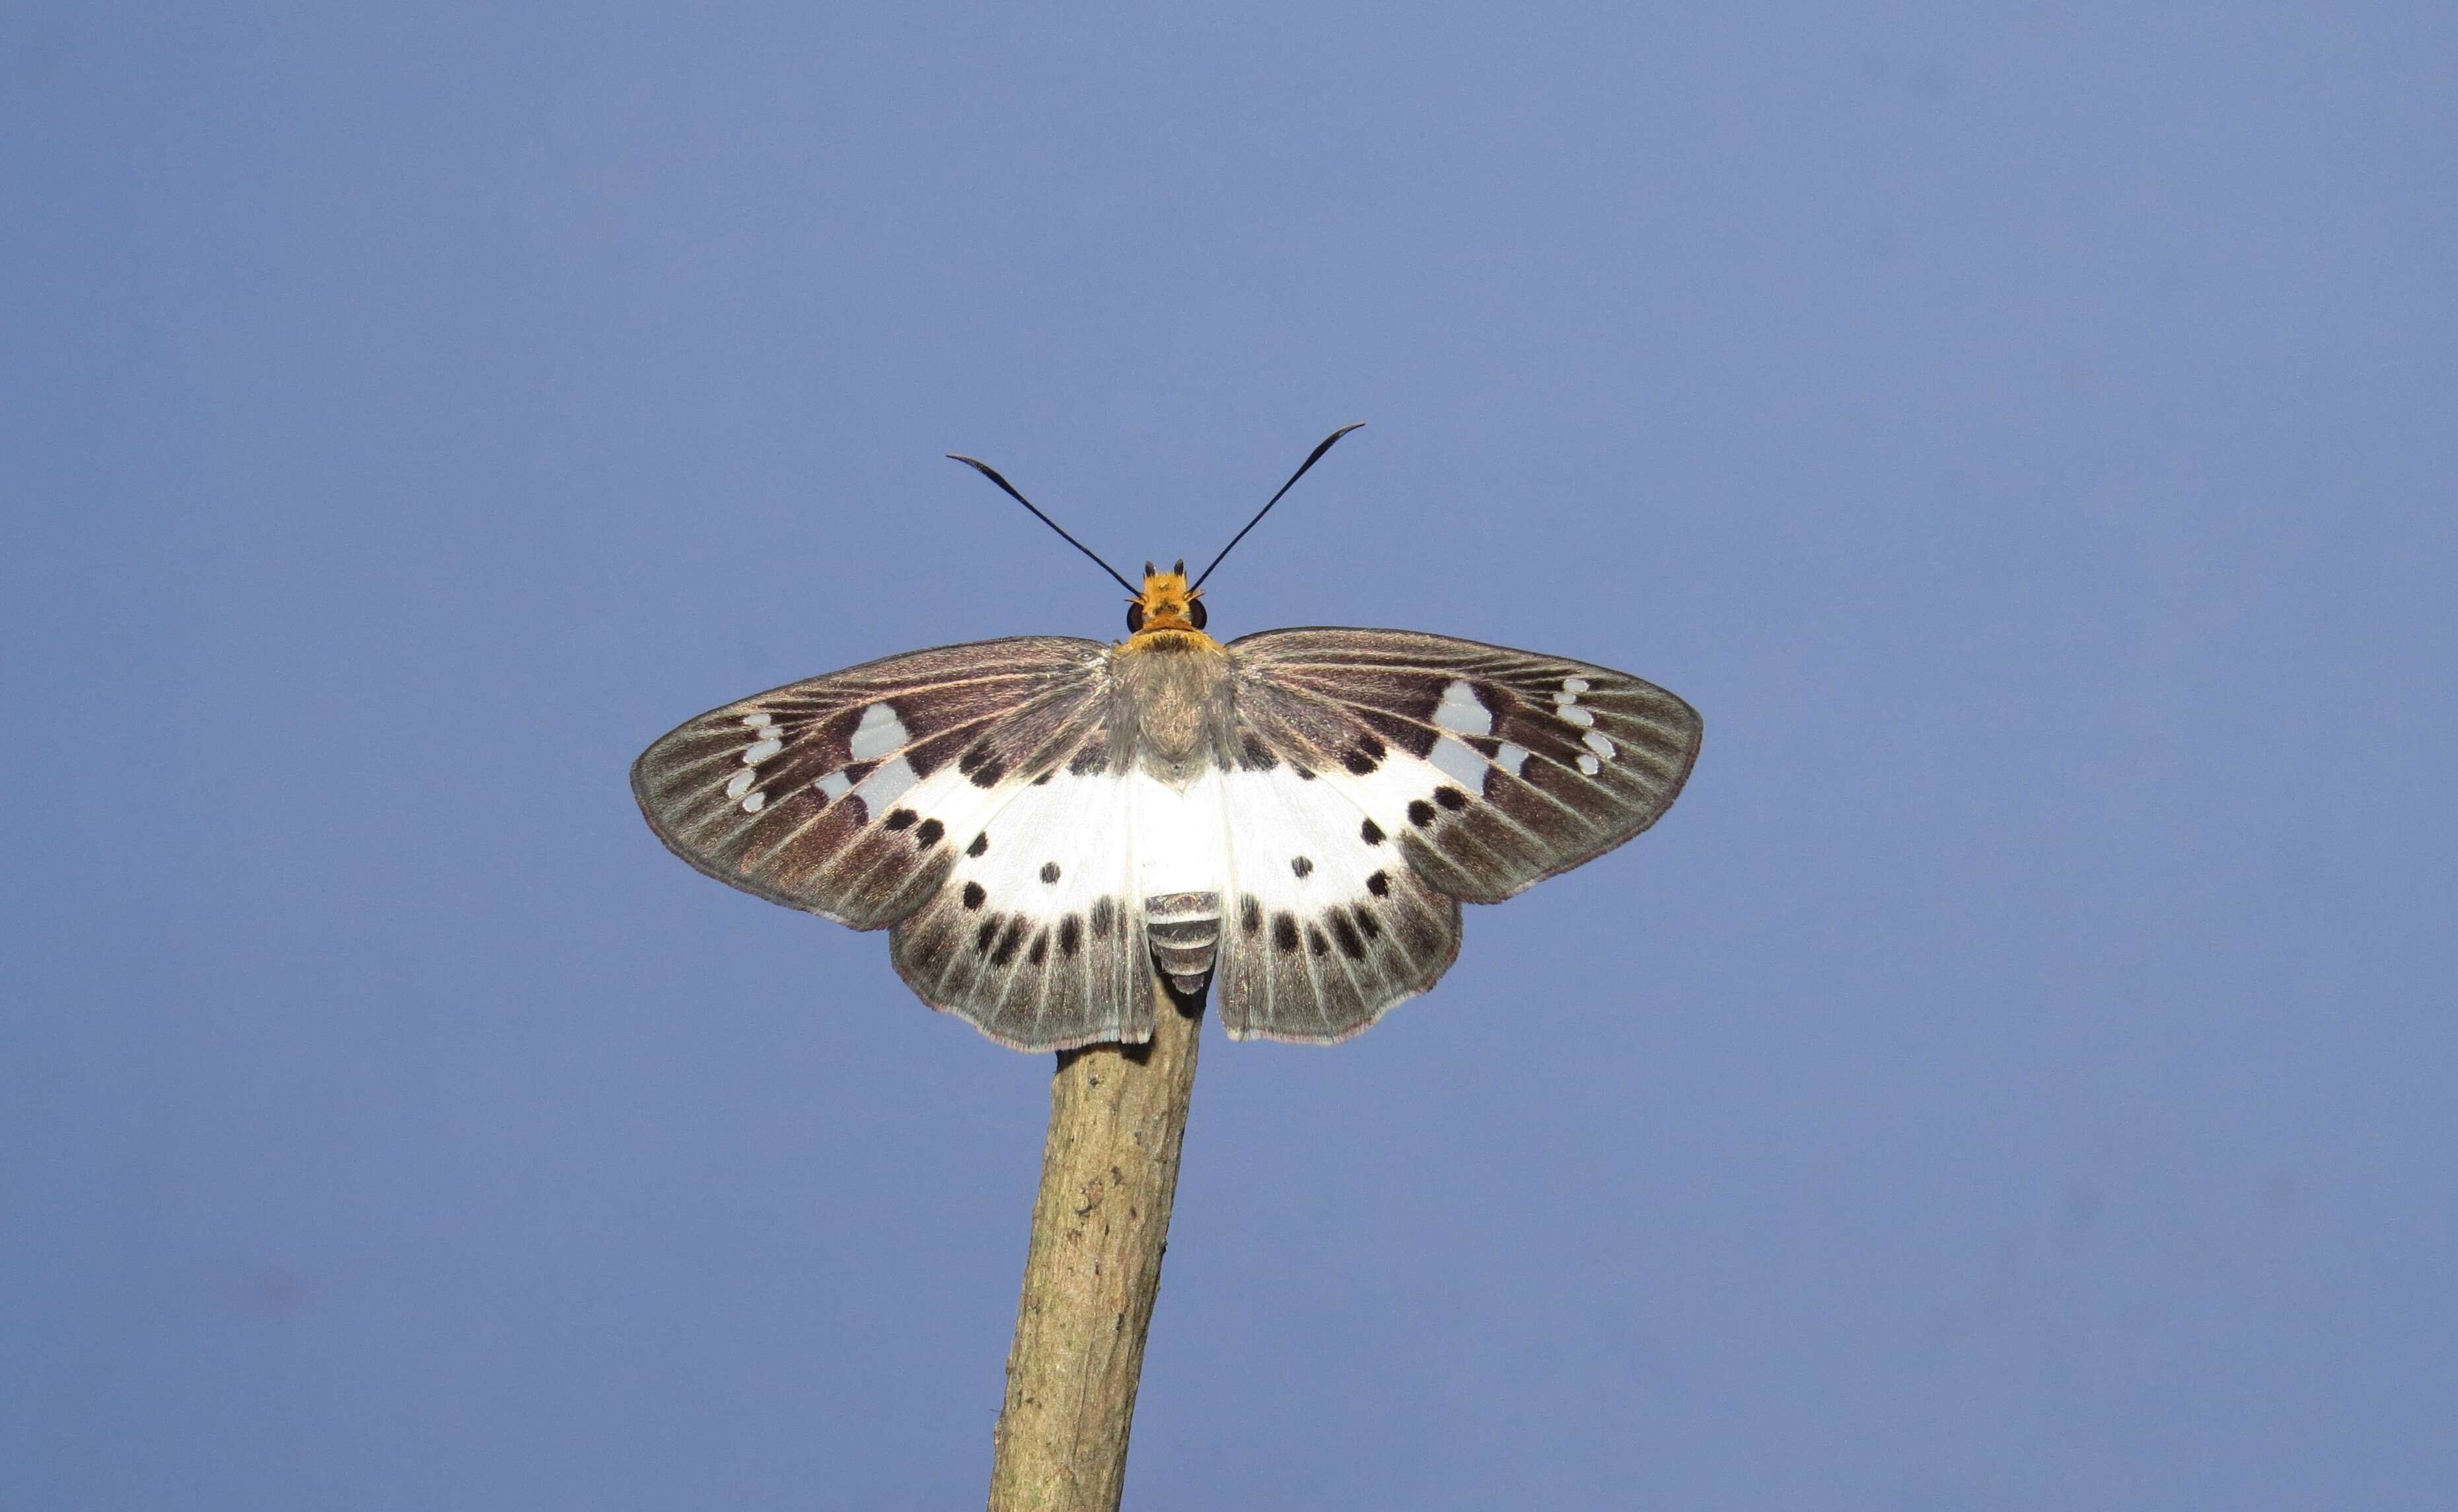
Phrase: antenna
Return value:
(1312, 458)
(991, 473)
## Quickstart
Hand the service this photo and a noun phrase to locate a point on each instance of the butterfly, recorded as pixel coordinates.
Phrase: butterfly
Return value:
(1291, 819)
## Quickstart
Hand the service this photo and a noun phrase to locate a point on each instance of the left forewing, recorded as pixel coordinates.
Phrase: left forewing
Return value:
(1489, 768)
(850, 794)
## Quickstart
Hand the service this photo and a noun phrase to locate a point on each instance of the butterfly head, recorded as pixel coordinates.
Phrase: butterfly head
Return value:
(1166, 604)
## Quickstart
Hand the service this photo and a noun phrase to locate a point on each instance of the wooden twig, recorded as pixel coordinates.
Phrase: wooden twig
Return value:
(1109, 1174)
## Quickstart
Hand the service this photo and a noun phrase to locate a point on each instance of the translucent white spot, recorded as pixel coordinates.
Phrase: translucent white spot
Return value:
(835, 785)
(1459, 762)
(879, 733)
(1511, 758)
(741, 784)
(1566, 698)
(1590, 764)
(761, 751)
(1599, 742)
(1461, 712)
(755, 803)
(890, 783)
(1575, 685)
(757, 721)
(1577, 715)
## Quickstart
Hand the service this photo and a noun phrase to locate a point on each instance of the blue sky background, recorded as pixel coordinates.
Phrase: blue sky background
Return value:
(2017, 1075)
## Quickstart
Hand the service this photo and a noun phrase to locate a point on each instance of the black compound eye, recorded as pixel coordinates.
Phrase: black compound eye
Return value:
(1134, 618)
(1195, 614)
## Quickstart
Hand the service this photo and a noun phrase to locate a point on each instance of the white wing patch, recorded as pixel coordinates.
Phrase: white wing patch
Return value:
(1054, 850)
(879, 733)
(1461, 713)
(765, 746)
(1600, 748)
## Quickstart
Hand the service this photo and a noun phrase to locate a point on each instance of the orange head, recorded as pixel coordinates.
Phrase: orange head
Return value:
(1166, 602)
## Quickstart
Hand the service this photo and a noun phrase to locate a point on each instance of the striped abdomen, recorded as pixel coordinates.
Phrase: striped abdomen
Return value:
(1184, 929)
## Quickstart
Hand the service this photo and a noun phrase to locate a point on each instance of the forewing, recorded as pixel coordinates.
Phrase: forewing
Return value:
(1489, 768)
(851, 795)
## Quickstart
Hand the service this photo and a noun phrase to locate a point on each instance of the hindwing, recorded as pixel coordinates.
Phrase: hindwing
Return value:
(1323, 930)
(1036, 934)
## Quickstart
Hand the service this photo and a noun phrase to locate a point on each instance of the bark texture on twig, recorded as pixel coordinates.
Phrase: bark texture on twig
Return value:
(1109, 1174)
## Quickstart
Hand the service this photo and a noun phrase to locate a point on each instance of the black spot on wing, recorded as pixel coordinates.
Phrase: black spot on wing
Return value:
(1040, 950)
(1254, 755)
(981, 765)
(1451, 799)
(1379, 884)
(1365, 755)
(1010, 937)
(974, 896)
(1317, 941)
(901, 818)
(981, 844)
(928, 834)
(1250, 915)
(1302, 866)
(1371, 833)
(1071, 935)
(1367, 924)
(1421, 812)
(1050, 872)
(1351, 944)
(1105, 917)
(1088, 761)
(986, 935)
(1285, 933)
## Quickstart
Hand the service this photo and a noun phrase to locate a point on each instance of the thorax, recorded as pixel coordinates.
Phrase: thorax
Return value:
(1172, 690)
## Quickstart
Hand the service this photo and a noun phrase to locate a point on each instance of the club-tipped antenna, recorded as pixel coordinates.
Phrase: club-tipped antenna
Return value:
(1312, 457)
(991, 473)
